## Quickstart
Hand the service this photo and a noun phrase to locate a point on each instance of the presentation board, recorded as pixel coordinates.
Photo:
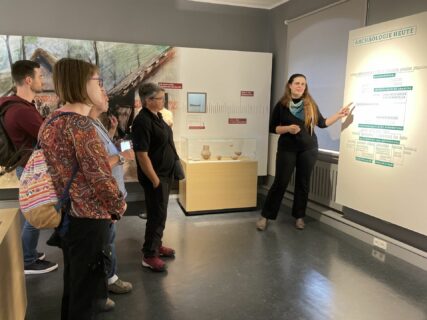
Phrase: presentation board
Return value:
(383, 148)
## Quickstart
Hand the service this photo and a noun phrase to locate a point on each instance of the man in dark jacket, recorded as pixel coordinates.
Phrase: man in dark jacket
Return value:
(22, 122)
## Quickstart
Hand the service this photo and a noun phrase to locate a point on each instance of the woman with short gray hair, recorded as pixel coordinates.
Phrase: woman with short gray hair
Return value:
(155, 152)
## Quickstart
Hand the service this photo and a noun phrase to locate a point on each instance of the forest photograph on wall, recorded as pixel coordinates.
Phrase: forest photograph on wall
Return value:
(123, 67)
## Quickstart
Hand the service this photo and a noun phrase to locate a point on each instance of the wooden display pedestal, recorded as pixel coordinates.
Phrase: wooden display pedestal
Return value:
(13, 302)
(218, 186)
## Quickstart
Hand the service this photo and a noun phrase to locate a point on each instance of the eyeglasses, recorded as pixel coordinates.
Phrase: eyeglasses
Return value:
(157, 98)
(100, 81)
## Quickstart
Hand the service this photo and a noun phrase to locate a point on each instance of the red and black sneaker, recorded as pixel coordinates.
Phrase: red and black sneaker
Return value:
(154, 263)
(166, 252)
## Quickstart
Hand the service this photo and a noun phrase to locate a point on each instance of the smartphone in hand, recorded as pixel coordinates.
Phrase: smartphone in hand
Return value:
(125, 145)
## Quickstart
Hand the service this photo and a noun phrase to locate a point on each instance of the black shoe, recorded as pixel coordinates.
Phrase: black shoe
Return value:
(54, 240)
(40, 266)
(41, 256)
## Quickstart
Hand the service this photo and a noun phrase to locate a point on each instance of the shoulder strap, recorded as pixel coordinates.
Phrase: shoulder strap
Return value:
(6, 106)
(59, 115)
(3, 108)
(21, 155)
(172, 144)
(66, 193)
(174, 149)
(50, 121)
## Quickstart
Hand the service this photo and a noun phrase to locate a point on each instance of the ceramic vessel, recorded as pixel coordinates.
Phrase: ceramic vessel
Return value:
(206, 153)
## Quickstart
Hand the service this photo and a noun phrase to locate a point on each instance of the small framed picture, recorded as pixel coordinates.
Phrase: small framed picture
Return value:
(196, 102)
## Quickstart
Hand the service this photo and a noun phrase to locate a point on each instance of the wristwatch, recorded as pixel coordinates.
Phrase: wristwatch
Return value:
(121, 159)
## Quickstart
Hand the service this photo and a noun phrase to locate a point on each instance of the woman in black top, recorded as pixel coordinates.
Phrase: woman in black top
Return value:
(155, 153)
(294, 118)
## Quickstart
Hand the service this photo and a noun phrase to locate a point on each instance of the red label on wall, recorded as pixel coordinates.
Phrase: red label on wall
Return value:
(246, 93)
(170, 85)
(237, 121)
(196, 127)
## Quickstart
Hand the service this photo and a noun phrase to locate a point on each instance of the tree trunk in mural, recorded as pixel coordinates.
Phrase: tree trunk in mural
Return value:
(23, 54)
(137, 56)
(9, 54)
(114, 72)
(68, 50)
(95, 49)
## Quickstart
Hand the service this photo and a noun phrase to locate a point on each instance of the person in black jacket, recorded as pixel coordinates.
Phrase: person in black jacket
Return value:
(155, 153)
(294, 118)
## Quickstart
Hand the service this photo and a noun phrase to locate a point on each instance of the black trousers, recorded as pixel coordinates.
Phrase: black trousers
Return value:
(86, 259)
(156, 201)
(286, 162)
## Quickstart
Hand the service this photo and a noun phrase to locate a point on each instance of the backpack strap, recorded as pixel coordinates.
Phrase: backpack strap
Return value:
(50, 121)
(65, 197)
(21, 155)
(6, 106)
(58, 116)
(66, 193)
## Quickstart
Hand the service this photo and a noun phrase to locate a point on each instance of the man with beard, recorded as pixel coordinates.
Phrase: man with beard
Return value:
(22, 122)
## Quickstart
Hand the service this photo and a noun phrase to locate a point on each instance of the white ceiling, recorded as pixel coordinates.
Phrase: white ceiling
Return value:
(261, 4)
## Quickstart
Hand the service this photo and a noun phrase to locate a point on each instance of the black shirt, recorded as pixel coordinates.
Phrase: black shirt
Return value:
(151, 134)
(301, 141)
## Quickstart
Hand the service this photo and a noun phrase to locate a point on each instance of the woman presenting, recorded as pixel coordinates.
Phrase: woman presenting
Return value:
(294, 118)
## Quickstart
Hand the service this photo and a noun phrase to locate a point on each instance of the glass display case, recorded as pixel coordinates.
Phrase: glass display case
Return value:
(201, 149)
(221, 175)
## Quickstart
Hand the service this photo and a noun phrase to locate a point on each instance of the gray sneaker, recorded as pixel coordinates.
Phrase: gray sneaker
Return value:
(105, 305)
(40, 266)
(299, 223)
(120, 287)
(261, 224)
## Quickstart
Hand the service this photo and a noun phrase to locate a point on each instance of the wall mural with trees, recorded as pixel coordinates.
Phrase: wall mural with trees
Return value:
(235, 87)
(123, 67)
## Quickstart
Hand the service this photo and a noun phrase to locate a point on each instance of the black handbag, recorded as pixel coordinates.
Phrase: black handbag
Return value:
(178, 170)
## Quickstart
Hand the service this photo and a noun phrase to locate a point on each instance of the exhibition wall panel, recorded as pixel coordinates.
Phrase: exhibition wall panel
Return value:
(210, 93)
(383, 150)
(234, 88)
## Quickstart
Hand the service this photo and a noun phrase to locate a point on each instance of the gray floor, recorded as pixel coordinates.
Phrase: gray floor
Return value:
(225, 269)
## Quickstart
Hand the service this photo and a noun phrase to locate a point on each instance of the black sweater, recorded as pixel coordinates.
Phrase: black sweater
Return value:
(301, 141)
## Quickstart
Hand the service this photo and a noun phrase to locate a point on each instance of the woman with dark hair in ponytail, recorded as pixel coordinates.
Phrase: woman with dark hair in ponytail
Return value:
(294, 118)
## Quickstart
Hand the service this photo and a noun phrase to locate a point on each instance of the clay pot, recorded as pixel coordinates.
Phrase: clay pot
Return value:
(206, 153)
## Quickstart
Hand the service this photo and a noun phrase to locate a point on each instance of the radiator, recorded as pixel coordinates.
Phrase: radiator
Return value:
(323, 184)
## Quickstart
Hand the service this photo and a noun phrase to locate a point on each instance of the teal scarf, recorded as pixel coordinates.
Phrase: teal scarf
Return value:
(297, 109)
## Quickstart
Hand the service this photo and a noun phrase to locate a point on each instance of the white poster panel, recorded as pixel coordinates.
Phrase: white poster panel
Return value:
(383, 147)
(238, 86)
